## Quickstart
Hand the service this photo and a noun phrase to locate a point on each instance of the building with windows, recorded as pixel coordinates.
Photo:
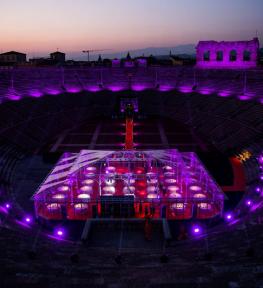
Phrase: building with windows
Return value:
(13, 57)
(227, 54)
(57, 56)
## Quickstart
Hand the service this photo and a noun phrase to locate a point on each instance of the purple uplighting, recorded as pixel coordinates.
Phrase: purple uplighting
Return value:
(7, 206)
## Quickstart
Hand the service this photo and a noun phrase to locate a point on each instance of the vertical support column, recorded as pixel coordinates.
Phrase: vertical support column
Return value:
(163, 135)
(95, 137)
(129, 127)
(129, 133)
(59, 141)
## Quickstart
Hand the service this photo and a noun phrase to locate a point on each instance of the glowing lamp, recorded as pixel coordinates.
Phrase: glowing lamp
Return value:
(91, 169)
(86, 188)
(248, 202)
(81, 206)
(168, 168)
(196, 230)
(151, 189)
(110, 181)
(59, 196)
(152, 196)
(111, 169)
(84, 196)
(53, 206)
(199, 196)
(229, 216)
(195, 188)
(129, 190)
(173, 188)
(170, 181)
(63, 188)
(178, 206)
(258, 189)
(88, 182)
(59, 232)
(28, 219)
(109, 189)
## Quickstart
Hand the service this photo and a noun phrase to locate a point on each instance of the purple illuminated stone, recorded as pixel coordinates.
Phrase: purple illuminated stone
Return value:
(244, 97)
(93, 88)
(73, 89)
(226, 54)
(53, 91)
(224, 93)
(185, 89)
(35, 93)
(115, 88)
(165, 88)
(205, 91)
(139, 87)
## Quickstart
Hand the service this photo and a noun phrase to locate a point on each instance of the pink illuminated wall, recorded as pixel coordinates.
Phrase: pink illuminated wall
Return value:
(238, 55)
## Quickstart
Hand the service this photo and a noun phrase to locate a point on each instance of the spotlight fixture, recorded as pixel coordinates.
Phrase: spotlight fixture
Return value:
(28, 219)
(248, 203)
(7, 206)
(229, 216)
(59, 232)
(196, 230)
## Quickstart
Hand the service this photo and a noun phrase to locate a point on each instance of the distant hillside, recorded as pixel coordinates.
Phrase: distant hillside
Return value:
(188, 49)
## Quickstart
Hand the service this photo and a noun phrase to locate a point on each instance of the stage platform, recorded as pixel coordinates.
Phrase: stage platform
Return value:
(129, 184)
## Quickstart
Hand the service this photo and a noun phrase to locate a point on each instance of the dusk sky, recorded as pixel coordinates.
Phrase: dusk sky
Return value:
(36, 27)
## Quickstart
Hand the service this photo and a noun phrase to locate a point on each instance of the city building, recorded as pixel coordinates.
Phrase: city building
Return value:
(12, 57)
